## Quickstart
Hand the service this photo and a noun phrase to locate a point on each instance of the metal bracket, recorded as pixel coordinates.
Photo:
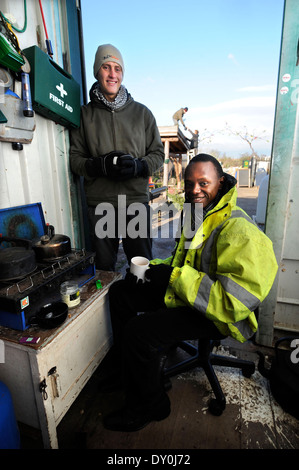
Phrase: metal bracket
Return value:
(42, 389)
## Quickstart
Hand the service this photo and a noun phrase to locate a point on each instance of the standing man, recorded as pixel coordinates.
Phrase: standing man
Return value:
(208, 288)
(178, 116)
(116, 149)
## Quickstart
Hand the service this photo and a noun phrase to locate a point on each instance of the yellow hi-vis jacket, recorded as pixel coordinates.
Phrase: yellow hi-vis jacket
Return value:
(226, 272)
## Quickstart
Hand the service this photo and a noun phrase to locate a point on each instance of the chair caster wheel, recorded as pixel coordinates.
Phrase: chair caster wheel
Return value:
(248, 370)
(215, 407)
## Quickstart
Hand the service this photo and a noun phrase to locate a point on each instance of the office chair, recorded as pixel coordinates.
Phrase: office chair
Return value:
(201, 356)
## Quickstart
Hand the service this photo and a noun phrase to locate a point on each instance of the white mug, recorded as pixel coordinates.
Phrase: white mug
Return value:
(139, 265)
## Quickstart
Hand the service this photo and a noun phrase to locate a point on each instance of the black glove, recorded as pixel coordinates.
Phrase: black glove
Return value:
(132, 279)
(131, 167)
(158, 275)
(105, 165)
(141, 168)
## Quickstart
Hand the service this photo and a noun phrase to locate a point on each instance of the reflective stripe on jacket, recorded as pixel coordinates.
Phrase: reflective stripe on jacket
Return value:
(226, 272)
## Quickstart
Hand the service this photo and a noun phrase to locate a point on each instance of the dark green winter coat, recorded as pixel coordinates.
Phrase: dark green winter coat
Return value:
(131, 129)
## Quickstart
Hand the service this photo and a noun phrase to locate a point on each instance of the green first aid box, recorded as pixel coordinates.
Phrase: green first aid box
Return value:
(54, 92)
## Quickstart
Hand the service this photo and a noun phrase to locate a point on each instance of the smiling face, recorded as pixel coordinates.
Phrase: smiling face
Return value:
(202, 183)
(110, 76)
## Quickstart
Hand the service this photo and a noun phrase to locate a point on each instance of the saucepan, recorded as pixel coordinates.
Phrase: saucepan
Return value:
(18, 260)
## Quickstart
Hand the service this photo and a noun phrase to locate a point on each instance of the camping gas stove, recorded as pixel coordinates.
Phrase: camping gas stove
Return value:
(21, 299)
(24, 291)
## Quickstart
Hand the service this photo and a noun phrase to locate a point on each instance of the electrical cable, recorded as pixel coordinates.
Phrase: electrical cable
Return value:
(22, 30)
(43, 18)
(48, 42)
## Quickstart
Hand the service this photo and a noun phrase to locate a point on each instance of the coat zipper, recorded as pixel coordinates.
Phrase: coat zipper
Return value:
(113, 129)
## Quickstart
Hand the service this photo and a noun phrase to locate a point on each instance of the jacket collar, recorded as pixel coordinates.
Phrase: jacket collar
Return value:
(227, 196)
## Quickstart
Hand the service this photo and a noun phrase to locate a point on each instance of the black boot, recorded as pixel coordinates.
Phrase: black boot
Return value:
(131, 418)
(166, 382)
(109, 372)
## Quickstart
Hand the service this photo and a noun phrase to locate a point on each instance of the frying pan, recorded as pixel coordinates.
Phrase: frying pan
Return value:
(51, 315)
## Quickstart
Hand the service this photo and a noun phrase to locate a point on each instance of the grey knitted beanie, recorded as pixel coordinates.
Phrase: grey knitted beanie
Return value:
(107, 53)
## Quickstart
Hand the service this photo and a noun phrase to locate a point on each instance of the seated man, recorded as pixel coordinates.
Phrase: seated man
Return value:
(208, 288)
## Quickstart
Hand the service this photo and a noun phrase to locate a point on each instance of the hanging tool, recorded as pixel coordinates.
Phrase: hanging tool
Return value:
(26, 92)
(48, 42)
(10, 53)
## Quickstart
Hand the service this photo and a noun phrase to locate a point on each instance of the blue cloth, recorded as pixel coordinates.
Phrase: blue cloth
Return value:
(12, 93)
(9, 431)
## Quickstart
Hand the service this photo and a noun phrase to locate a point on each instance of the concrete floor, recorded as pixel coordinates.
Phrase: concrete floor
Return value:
(252, 418)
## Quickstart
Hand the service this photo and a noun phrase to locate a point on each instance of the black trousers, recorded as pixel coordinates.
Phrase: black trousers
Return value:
(106, 247)
(140, 339)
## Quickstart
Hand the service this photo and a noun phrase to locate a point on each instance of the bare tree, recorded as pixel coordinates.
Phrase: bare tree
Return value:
(249, 137)
(206, 136)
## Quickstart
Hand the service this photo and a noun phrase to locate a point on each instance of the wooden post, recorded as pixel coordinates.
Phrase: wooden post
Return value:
(166, 163)
(177, 163)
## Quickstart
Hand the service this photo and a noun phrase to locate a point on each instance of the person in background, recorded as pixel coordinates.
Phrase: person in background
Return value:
(194, 140)
(209, 288)
(178, 117)
(116, 148)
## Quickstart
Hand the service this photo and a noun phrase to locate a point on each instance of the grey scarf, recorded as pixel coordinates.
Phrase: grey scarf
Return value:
(120, 98)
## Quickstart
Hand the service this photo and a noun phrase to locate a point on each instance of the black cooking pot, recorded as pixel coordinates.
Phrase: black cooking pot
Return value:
(51, 246)
(18, 260)
(51, 315)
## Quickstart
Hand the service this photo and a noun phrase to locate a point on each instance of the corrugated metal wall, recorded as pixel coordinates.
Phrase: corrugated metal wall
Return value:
(40, 172)
(279, 316)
